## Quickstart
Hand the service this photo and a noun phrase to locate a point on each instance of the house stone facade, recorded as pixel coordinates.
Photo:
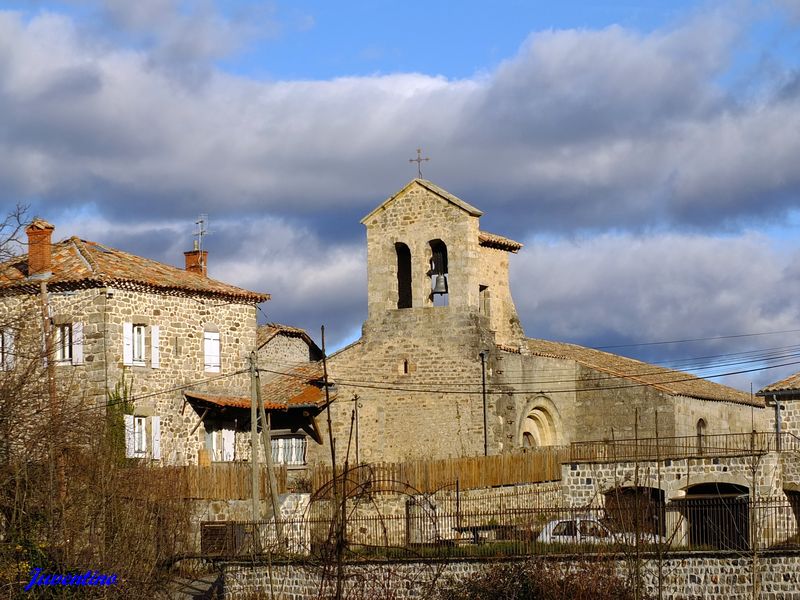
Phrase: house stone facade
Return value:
(113, 315)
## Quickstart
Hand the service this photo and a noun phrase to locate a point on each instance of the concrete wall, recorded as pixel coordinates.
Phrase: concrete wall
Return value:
(684, 577)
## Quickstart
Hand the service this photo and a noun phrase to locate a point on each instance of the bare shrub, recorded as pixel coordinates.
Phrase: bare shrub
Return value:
(539, 580)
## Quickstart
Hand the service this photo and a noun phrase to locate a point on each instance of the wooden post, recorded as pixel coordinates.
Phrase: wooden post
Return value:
(266, 440)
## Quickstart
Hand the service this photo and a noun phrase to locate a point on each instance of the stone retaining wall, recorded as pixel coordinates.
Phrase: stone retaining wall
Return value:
(685, 578)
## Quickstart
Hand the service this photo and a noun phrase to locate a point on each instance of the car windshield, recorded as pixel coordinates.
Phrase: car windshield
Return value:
(565, 528)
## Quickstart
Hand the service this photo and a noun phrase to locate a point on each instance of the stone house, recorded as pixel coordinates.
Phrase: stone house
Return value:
(444, 369)
(180, 339)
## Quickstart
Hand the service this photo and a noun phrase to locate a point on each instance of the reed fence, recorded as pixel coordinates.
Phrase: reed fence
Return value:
(427, 476)
(220, 481)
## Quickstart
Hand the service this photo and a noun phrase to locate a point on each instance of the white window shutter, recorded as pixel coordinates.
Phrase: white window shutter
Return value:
(155, 359)
(129, 442)
(127, 343)
(228, 442)
(155, 433)
(77, 343)
(8, 350)
(211, 351)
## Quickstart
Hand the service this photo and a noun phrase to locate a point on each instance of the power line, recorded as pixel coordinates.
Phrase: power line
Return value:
(703, 339)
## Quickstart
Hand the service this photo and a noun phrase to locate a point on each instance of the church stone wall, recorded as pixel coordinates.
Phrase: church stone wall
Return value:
(503, 319)
(439, 350)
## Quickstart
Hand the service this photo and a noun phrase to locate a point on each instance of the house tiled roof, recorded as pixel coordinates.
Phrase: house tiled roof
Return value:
(676, 383)
(267, 332)
(791, 383)
(78, 263)
(300, 387)
(492, 240)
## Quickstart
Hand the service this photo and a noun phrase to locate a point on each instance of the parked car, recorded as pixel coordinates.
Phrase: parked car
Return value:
(589, 530)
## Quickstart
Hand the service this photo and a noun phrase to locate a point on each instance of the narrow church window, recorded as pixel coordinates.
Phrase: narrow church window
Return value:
(438, 273)
(483, 299)
(403, 275)
(701, 431)
(405, 367)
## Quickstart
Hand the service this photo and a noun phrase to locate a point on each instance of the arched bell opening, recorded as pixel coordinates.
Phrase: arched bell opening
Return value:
(438, 273)
(404, 298)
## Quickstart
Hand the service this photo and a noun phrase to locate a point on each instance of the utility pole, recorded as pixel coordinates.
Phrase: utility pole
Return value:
(485, 407)
(338, 527)
(254, 436)
(266, 440)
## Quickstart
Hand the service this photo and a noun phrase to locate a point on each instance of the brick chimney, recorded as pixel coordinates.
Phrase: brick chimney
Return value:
(40, 246)
(197, 260)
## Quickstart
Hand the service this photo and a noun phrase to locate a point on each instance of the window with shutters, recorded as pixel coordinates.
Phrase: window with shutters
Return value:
(142, 436)
(221, 444)
(289, 450)
(68, 343)
(211, 350)
(6, 350)
(134, 345)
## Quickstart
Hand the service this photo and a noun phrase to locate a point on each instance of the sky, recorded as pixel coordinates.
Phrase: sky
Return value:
(646, 153)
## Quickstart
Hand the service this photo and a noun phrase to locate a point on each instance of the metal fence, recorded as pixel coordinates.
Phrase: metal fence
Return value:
(430, 528)
(649, 449)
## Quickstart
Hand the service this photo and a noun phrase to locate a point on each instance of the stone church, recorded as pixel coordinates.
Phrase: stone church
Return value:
(443, 367)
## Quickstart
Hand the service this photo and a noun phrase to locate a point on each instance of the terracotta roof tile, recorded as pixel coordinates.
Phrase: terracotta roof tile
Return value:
(676, 383)
(492, 240)
(784, 385)
(301, 385)
(78, 263)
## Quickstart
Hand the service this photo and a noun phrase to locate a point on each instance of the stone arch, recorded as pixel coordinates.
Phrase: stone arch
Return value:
(539, 424)
(403, 275)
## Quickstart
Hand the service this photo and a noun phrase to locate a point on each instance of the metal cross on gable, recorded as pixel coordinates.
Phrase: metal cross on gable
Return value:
(419, 160)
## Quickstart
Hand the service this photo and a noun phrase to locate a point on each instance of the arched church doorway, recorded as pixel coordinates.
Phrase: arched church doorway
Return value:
(538, 428)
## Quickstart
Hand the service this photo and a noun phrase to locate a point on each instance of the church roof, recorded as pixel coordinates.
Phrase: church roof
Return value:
(431, 187)
(789, 384)
(492, 240)
(78, 264)
(676, 383)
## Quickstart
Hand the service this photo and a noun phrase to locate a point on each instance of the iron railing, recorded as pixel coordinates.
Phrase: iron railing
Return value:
(430, 529)
(650, 449)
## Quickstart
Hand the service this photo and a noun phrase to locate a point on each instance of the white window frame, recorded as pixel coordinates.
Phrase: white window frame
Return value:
(142, 436)
(68, 343)
(222, 444)
(138, 344)
(212, 355)
(6, 350)
(139, 436)
(289, 450)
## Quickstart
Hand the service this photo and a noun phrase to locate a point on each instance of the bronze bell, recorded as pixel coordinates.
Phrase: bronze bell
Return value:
(440, 287)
